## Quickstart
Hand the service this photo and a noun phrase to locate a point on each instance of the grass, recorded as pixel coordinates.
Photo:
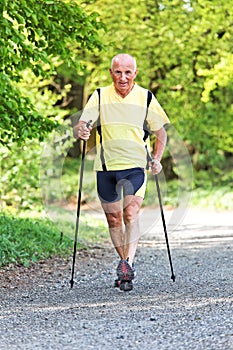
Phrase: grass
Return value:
(24, 240)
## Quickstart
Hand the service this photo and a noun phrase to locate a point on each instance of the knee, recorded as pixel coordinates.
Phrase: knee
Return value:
(114, 220)
(132, 207)
(129, 216)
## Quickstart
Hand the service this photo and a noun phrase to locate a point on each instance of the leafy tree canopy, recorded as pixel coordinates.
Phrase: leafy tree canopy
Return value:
(34, 34)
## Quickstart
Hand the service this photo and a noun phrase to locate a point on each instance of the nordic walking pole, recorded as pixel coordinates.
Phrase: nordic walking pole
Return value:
(164, 223)
(78, 207)
(164, 227)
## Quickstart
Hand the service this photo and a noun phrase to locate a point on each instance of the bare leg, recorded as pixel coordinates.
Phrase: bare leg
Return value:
(113, 212)
(132, 205)
(126, 242)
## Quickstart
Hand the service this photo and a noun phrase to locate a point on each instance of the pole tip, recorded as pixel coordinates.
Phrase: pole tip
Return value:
(71, 284)
(173, 277)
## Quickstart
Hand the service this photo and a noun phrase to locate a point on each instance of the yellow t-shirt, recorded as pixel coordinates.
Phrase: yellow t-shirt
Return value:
(122, 122)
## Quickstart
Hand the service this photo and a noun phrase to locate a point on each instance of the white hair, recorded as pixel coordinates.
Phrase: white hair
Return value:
(124, 55)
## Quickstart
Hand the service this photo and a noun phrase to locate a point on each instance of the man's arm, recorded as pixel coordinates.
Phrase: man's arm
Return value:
(159, 147)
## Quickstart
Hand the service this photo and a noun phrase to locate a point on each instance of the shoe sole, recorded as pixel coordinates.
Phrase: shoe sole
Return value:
(126, 286)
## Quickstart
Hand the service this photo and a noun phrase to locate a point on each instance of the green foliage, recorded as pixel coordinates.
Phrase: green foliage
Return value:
(214, 197)
(28, 171)
(169, 193)
(44, 115)
(20, 170)
(32, 34)
(24, 239)
(70, 179)
(32, 31)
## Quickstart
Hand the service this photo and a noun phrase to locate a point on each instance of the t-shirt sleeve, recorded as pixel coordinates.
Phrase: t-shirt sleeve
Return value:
(156, 117)
(91, 110)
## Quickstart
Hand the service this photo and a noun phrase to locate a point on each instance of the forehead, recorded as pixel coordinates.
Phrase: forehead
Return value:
(124, 64)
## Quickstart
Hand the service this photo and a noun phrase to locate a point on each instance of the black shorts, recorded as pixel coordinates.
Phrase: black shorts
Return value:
(112, 184)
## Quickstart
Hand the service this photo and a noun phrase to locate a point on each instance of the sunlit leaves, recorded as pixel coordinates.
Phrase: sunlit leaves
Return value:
(32, 34)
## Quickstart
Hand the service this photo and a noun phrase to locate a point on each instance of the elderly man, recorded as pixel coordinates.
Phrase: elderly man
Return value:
(121, 110)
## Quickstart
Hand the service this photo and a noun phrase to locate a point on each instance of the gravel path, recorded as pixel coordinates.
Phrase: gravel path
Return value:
(40, 311)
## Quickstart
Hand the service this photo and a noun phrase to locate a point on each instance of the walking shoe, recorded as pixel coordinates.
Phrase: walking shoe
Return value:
(125, 274)
(126, 286)
(124, 271)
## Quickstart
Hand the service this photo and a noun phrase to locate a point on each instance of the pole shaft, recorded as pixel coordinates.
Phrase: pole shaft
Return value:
(79, 206)
(164, 226)
(78, 212)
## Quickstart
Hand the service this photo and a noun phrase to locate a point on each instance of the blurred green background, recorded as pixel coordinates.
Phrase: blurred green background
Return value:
(55, 53)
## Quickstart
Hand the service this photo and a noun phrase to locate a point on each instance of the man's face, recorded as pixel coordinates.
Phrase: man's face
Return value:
(123, 74)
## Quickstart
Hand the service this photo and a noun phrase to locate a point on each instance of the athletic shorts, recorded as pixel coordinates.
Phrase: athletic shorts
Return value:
(111, 185)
